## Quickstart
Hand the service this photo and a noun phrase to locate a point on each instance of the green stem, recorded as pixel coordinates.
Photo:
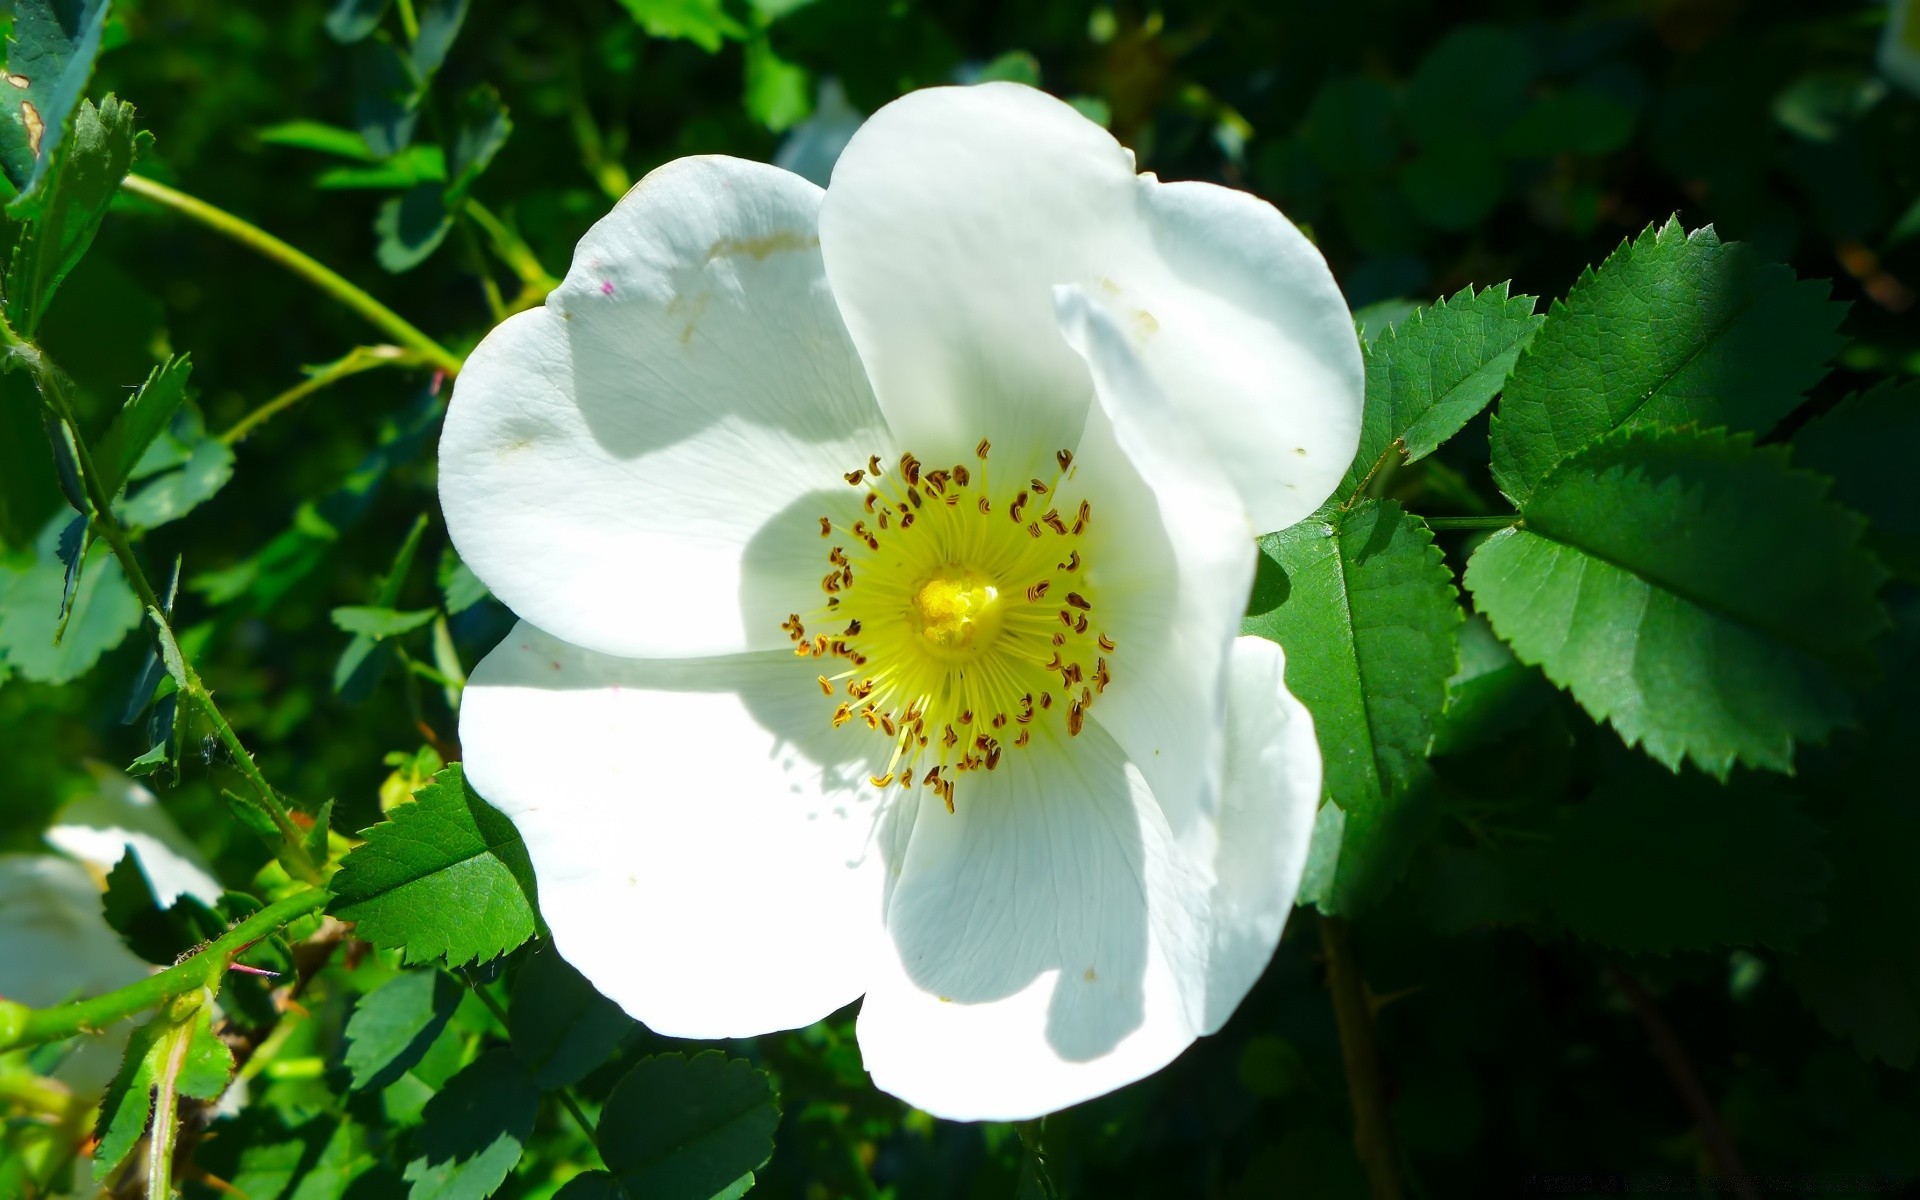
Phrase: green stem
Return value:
(564, 1095)
(360, 358)
(166, 1121)
(53, 391)
(203, 969)
(1372, 1136)
(322, 277)
(1496, 521)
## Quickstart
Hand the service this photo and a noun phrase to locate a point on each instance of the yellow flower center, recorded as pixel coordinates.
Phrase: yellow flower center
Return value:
(961, 617)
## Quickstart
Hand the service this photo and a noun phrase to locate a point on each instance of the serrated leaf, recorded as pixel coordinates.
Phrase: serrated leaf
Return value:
(481, 129)
(561, 1027)
(88, 177)
(104, 611)
(318, 137)
(1433, 371)
(393, 1025)
(262, 1157)
(1673, 329)
(439, 24)
(378, 623)
(1860, 444)
(352, 20)
(49, 60)
(591, 1185)
(705, 23)
(205, 1068)
(177, 493)
(1647, 866)
(447, 876)
(1692, 591)
(1365, 608)
(141, 420)
(386, 102)
(1492, 694)
(684, 1129)
(154, 933)
(460, 588)
(474, 1129)
(411, 226)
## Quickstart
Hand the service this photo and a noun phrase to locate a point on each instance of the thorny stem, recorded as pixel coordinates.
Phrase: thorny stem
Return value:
(301, 264)
(53, 390)
(1372, 1136)
(202, 969)
(1673, 1058)
(166, 1122)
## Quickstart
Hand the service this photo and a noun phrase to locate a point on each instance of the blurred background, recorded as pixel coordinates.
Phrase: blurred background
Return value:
(1424, 147)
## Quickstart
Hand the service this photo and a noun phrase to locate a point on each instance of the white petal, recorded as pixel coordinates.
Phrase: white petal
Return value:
(1259, 844)
(638, 465)
(55, 946)
(1046, 937)
(955, 211)
(120, 817)
(1170, 555)
(699, 835)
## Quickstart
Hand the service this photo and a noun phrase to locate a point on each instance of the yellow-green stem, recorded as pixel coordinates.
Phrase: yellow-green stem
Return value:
(325, 278)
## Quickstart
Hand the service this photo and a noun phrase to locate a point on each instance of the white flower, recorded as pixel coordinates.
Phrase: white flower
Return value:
(881, 554)
(56, 946)
(119, 818)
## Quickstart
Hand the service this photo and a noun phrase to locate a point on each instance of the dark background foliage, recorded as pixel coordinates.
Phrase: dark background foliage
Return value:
(1524, 997)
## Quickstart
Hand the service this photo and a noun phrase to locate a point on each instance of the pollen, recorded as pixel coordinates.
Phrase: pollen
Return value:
(953, 622)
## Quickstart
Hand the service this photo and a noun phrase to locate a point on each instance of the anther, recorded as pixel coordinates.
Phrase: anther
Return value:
(826, 526)
(984, 506)
(873, 465)
(980, 451)
(1052, 521)
(961, 475)
(1033, 530)
(1080, 626)
(880, 781)
(1106, 643)
(1039, 489)
(1059, 639)
(1020, 739)
(853, 628)
(1019, 502)
(872, 499)
(1085, 515)
(1071, 565)
(826, 685)
(1076, 718)
(854, 477)
(1064, 458)
(1038, 590)
(910, 469)
(1078, 601)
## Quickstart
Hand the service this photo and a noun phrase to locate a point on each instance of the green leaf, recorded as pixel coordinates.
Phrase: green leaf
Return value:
(154, 933)
(1861, 444)
(411, 226)
(481, 129)
(1492, 694)
(684, 1129)
(475, 1128)
(49, 60)
(705, 23)
(440, 22)
(446, 877)
(104, 611)
(352, 20)
(379, 623)
(393, 1025)
(318, 137)
(1673, 329)
(591, 1185)
(205, 1068)
(1365, 608)
(1469, 88)
(264, 1158)
(561, 1027)
(778, 94)
(1654, 866)
(179, 492)
(386, 100)
(460, 588)
(1691, 590)
(88, 178)
(1432, 372)
(140, 421)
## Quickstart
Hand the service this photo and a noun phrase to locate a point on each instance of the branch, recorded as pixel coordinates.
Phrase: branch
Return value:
(31, 1027)
(1372, 1137)
(48, 379)
(325, 278)
(1672, 1056)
